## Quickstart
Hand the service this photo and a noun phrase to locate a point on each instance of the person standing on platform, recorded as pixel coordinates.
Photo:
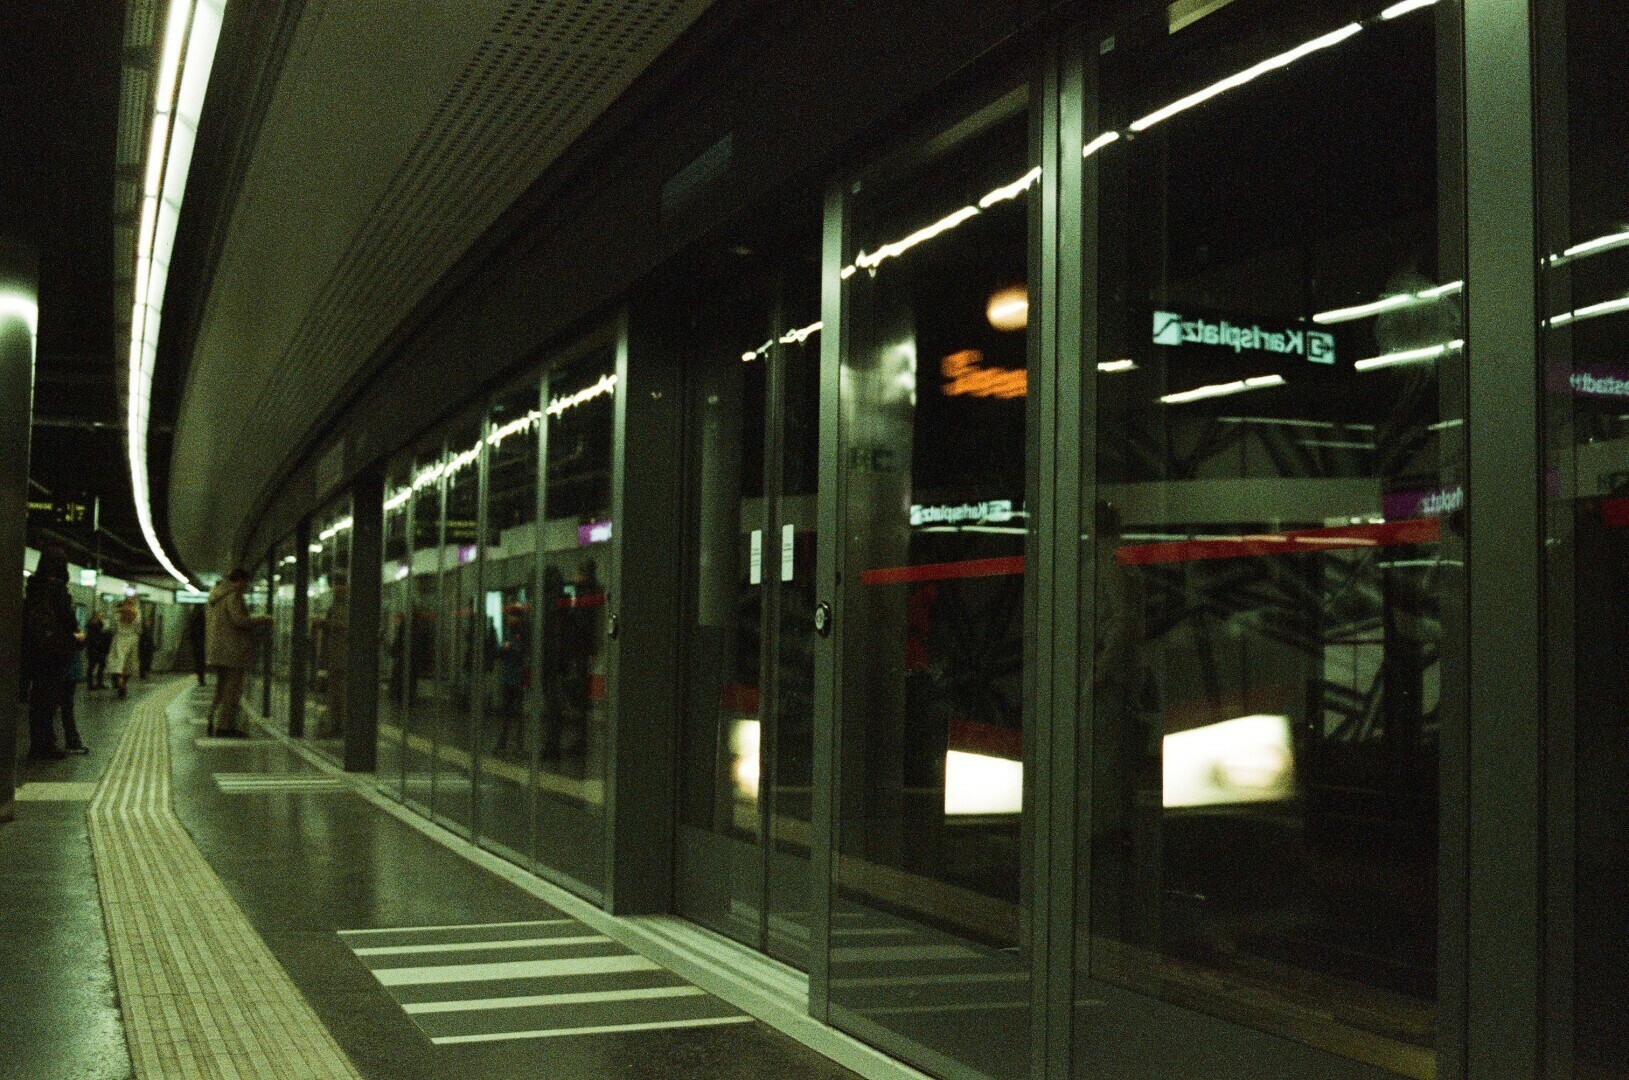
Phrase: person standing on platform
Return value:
(195, 641)
(70, 688)
(229, 648)
(147, 645)
(49, 640)
(98, 640)
(123, 658)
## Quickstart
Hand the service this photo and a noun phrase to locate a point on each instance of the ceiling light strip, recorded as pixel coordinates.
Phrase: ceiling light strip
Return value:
(191, 34)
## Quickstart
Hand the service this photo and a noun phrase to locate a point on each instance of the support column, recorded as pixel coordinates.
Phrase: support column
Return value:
(19, 317)
(1503, 836)
(644, 622)
(300, 635)
(364, 629)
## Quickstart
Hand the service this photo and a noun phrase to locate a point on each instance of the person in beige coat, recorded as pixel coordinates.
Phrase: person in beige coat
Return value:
(229, 648)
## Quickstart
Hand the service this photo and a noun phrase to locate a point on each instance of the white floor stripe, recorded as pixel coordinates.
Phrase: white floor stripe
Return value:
(477, 946)
(531, 1000)
(459, 926)
(516, 969)
(499, 1036)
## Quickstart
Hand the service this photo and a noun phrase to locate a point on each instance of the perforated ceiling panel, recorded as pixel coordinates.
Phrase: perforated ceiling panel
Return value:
(397, 134)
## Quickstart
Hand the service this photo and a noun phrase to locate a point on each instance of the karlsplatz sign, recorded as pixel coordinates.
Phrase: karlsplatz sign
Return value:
(1173, 329)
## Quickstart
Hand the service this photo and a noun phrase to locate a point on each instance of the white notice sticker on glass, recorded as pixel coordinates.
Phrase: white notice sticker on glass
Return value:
(789, 547)
(757, 571)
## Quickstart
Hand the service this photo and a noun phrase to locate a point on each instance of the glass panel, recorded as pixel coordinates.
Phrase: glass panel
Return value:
(720, 854)
(509, 675)
(330, 598)
(1277, 526)
(423, 690)
(1584, 140)
(459, 641)
(575, 540)
(259, 602)
(926, 925)
(395, 621)
(282, 632)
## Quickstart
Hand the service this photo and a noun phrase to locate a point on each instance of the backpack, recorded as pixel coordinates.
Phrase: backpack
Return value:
(45, 632)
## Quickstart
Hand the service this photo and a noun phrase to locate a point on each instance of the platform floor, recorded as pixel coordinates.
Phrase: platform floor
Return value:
(418, 963)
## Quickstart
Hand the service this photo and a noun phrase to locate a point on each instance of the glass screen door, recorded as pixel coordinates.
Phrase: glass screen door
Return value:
(752, 351)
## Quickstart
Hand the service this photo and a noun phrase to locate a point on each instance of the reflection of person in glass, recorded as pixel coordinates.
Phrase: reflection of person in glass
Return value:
(334, 657)
(581, 640)
(512, 673)
(554, 601)
(421, 641)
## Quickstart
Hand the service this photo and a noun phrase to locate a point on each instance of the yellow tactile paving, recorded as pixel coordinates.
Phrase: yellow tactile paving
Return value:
(201, 994)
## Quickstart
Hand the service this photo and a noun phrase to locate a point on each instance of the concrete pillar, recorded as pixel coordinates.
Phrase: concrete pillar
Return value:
(19, 313)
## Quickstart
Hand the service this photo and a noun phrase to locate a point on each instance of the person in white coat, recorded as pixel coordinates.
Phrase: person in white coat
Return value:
(124, 658)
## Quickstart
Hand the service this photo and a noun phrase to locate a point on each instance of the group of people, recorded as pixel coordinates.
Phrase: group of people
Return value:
(58, 654)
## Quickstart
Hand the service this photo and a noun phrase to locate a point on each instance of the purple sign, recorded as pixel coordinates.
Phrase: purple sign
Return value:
(466, 553)
(1429, 502)
(595, 532)
(1600, 383)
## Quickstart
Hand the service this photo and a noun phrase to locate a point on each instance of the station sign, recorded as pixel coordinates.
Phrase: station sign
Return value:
(989, 512)
(1173, 328)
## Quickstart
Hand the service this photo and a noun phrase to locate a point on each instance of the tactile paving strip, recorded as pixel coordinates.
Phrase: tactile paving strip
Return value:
(202, 995)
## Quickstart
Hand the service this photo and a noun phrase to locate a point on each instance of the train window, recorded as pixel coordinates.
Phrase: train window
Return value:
(1277, 540)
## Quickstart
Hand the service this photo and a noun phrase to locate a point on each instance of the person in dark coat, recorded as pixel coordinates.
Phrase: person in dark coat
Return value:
(98, 640)
(146, 646)
(50, 640)
(195, 640)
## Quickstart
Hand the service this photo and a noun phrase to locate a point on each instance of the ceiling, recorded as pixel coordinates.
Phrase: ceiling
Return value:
(395, 135)
(59, 100)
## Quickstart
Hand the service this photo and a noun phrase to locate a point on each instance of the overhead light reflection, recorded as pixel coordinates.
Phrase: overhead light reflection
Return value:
(1099, 143)
(1012, 190)
(1109, 367)
(605, 385)
(1405, 7)
(1591, 247)
(1249, 74)
(1410, 356)
(1589, 311)
(1388, 303)
(1199, 393)
(791, 337)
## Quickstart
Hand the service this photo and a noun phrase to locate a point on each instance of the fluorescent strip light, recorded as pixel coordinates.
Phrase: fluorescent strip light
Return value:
(192, 31)
(1099, 143)
(1410, 356)
(1249, 74)
(1200, 393)
(1590, 311)
(1388, 303)
(1405, 7)
(1108, 367)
